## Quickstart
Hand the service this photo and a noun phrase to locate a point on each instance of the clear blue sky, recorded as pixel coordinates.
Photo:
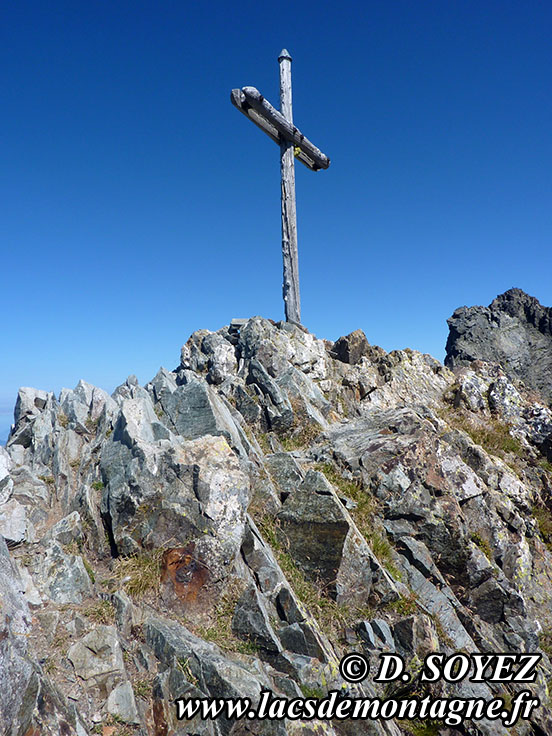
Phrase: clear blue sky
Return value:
(139, 205)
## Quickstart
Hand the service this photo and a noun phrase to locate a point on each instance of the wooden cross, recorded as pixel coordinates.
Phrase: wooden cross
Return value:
(279, 126)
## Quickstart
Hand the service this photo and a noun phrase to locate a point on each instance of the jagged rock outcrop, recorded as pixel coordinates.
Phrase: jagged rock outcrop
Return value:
(239, 523)
(515, 331)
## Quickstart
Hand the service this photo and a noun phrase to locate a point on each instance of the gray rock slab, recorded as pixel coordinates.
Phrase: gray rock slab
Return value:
(351, 348)
(315, 528)
(17, 673)
(281, 413)
(121, 703)
(98, 657)
(65, 530)
(61, 576)
(284, 471)
(214, 674)
(251, 621)
(13, 522)
(438, 604)
(383, 632)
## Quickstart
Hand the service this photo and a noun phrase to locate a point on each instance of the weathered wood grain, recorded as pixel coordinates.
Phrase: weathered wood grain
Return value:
(292, 301)
(238, 100)
(285, 127)
(293, 144)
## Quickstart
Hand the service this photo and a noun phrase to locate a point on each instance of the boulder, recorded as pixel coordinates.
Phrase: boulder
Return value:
(210, 352)
(314, 528)
(415, 635)
(121, 703)
(160, 495)
(137, 422)
(13, 522)
(351, 348)
(251, 621)
(98, 658)
(515, 330)
(278, 408)
(213, 673)
(284, 471)
(61, 576)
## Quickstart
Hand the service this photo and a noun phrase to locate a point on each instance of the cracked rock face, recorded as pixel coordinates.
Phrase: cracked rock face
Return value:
(239, 523)
(515, 331)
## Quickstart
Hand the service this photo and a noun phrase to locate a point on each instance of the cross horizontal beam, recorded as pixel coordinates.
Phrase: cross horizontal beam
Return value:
(250, 102)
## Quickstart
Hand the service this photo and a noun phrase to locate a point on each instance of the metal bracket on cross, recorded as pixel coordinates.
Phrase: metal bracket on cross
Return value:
(278, 125)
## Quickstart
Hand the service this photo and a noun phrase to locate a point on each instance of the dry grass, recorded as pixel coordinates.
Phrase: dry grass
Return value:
(50, 666)
(92, 424)
(220, 631)
(74, 547)
(493, 435)
(143, 687)
(139, 574)
(545, 641)
(101, 612)
(301, 437)
(61, 641)
(114, 726)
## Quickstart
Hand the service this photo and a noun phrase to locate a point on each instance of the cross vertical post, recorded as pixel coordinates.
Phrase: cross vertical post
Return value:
(292, 300)
(278, 126)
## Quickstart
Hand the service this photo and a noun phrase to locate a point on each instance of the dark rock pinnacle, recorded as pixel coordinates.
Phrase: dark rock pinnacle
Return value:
(515, 330)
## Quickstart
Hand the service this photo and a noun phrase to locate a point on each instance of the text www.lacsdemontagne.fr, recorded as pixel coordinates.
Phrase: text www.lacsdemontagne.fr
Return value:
(452, 711)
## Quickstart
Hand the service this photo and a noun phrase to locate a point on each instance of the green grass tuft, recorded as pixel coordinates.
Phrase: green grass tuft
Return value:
(422, 728)
(405, 605)
(89, 570)
(312, 692)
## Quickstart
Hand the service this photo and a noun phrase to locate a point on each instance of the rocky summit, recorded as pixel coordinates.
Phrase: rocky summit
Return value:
(239, 524)
(515, 330)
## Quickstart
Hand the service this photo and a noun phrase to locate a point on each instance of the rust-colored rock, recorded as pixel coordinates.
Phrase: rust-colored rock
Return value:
(184, 573)
(160, 722)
